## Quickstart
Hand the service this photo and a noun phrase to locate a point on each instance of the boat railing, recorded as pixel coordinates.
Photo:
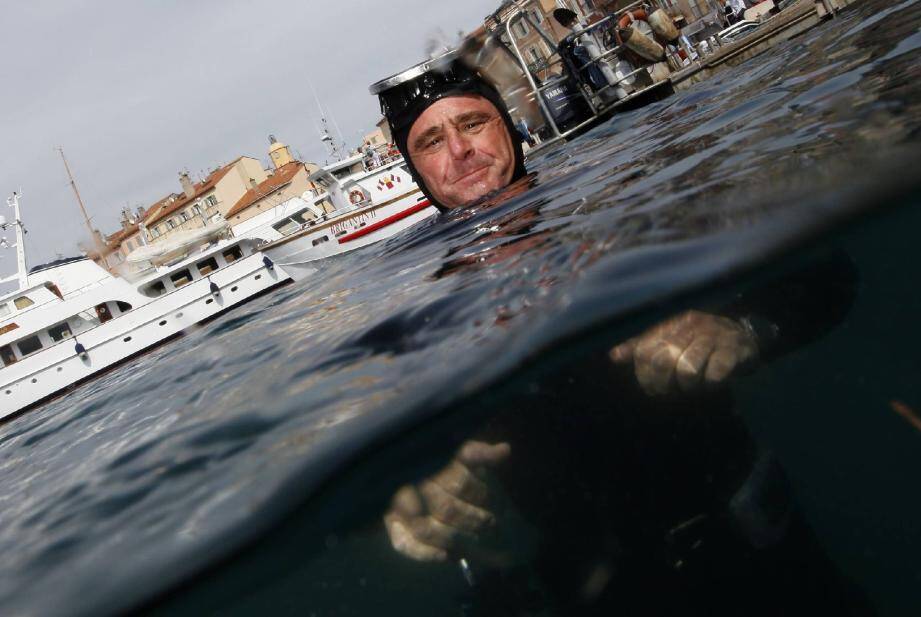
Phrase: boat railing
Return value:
(560, 85)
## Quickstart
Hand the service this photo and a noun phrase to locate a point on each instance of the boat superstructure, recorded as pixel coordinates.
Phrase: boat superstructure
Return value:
(356, 205)
(71, 319)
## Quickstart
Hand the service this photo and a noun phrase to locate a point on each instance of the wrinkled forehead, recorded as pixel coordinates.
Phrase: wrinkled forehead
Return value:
(451, 109)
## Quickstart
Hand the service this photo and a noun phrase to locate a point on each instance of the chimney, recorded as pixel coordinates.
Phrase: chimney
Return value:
(186, 183)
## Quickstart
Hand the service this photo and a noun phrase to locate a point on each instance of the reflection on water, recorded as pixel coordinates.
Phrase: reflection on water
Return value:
(496, 324)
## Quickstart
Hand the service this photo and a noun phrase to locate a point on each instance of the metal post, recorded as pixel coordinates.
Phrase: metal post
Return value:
(13, 201)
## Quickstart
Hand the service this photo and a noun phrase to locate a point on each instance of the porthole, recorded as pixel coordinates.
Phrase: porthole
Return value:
(163, 323)
(127, 339)
(178, 315)
(60, 368)
(258, 276)
(234, 288)
(209, 300)
(9, 391)
(34, 380)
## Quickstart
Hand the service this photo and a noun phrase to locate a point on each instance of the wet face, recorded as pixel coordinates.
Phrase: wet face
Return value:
(462, 149)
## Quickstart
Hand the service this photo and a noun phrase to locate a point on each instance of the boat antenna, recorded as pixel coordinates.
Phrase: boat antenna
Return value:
(325, 137)
(22, 273)
(86, 218)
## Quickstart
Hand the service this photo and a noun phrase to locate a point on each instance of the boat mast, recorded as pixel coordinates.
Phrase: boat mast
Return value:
(86, 218)
(325, 136)
(23, 272)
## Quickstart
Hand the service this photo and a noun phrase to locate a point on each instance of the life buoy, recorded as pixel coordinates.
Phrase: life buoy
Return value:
(356, 196)
(625, 21)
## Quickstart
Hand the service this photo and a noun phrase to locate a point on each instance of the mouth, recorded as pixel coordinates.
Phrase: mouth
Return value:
(472, 176)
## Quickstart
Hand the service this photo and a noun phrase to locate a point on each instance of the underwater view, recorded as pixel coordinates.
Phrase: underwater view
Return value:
(270, 461)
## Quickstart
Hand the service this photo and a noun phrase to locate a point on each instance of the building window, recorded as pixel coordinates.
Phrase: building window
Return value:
(155, 233)
(211, 200)
(536, 17)
(171, 224)
(196, 210)
(184, 216)
(535, 56)
(520, 28)
(22, 302)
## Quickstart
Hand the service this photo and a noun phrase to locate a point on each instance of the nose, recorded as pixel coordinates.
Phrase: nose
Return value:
(459, 145)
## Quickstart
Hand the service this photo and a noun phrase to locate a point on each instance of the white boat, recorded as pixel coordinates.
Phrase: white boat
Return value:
(71, 319)
(353, 208)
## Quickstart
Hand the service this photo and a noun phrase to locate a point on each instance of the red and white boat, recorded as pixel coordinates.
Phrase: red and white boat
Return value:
(353, 207)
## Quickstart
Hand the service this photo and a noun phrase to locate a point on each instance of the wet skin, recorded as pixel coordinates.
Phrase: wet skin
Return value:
(462, 149)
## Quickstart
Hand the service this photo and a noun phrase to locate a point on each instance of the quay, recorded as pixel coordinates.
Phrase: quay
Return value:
(791, 22)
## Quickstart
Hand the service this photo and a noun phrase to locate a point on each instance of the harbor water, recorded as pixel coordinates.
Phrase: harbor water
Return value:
(245, 467)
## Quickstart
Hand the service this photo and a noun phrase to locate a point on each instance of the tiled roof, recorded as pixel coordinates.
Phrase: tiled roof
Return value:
(282, 177)
(116, 238)
(158, 214)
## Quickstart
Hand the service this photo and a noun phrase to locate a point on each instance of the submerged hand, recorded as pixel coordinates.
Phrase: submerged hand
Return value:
(690, 350)
(428, 520)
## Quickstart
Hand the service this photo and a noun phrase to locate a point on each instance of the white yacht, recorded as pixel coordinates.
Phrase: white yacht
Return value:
(353, 207)
(71, 319)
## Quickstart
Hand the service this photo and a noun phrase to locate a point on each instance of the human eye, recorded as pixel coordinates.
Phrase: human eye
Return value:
(475, 124)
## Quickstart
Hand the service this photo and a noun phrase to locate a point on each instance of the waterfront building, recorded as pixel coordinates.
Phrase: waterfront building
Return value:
(288, 181)
(203, 202)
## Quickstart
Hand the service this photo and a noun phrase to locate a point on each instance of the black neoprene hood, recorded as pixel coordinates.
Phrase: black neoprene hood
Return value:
(405, 96)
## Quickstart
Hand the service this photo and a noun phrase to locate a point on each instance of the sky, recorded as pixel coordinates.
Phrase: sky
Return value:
(136, 91)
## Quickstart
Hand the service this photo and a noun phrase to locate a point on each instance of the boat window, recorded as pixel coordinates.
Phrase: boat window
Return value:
(232, 254)
(22, 302)
(103, 312)
(124, 307)
(29, 345)
(4, 309)
(84, 320)
(303, 216)
(157, 288)
(60, 332)
(7, 355)
(206, 266)
(8, 327)
(183, 277)
(320, 240)
(286, 226)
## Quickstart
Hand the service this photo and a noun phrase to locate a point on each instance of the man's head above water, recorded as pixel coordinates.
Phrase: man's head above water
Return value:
(454, 131)
(462, 149)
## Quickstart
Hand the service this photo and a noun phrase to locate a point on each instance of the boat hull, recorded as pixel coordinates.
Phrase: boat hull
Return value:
(297, 252)
(58, 367)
